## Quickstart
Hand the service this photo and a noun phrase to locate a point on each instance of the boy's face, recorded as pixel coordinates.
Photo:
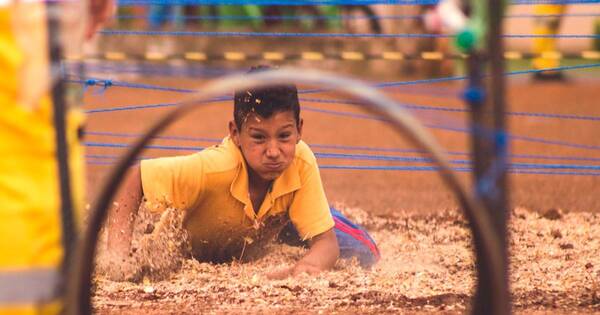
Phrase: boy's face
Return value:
(268, 145)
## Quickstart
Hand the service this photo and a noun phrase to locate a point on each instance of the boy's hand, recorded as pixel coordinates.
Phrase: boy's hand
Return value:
(280, 273)
(121, 218)
(322, 255)
(294, 271)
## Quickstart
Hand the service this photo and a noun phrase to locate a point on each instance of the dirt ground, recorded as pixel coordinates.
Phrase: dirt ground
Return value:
(427, 264)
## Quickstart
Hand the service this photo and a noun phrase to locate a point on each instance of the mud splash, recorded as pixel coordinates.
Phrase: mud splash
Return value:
(159, 247)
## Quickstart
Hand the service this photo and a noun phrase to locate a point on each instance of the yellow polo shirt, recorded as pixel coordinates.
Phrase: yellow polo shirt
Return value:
(212, 188)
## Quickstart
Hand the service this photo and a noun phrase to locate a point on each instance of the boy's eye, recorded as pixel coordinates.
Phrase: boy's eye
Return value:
(285, 135)
(257, 137)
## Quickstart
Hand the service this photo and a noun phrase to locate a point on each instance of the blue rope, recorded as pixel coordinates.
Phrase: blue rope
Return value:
(332, 17)
(107, 83)
(458, 169)
(368, 157)
(326, 35)
(517, 16)
(134, 135)
(125, 108)
(458, 129)
(151, 146)
(517, 2)
(267, 34)
(146, 68)
(328, 2)
(280, 17)
(92, 81)
(369, 117)
(278, 2)
(460, 78)
(381, 168)
(188, 70)
(343, 147)
(462, 110)
(573, 36)
(411, 168)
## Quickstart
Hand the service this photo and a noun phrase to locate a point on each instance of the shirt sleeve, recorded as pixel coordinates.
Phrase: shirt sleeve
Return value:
(172, 181)
(309, 210)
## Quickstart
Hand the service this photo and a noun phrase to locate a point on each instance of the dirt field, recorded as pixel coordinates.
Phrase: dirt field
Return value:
(427, 265)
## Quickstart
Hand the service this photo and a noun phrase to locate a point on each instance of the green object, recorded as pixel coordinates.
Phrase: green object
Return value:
(473, 36)
(465, 40)
(253, 11)
(332, 10)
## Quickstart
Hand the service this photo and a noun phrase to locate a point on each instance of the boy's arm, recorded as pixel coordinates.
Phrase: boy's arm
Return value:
(322, 254)
(122, 214)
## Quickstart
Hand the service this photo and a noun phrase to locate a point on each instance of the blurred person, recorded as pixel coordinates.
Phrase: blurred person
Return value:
(547, 24)
(160, 14)
(32, 238)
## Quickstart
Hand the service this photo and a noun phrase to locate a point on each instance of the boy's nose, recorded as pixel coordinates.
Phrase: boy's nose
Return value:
(272, 150)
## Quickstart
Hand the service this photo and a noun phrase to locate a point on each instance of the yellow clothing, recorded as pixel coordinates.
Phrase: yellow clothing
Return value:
(212, 188)
(546, 26)
(30, 221)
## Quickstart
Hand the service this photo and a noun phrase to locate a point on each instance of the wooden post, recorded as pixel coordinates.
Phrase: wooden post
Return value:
(486, 98)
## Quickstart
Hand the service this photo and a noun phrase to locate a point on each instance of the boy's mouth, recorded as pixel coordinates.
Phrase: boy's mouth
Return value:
(273, 166)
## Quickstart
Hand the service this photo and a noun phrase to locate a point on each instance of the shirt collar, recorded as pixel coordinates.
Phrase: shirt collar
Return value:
(287, 182)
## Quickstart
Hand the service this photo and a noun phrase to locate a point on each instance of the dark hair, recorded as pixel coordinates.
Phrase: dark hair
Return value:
(265, 101)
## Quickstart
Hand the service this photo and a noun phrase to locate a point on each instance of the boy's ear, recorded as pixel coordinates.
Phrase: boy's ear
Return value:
(234, 133)
(300, 124)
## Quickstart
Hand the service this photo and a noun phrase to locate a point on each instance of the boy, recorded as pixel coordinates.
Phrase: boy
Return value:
(260, 182)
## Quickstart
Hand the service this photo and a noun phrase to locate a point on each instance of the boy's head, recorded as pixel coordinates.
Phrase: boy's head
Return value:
(266, 127)
(265, 101)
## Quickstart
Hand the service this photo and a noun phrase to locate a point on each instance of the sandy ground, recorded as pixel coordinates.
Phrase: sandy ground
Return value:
(426, 266)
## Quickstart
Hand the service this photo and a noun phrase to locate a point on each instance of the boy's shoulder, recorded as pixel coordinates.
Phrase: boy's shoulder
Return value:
(221, 157)
(305, 154)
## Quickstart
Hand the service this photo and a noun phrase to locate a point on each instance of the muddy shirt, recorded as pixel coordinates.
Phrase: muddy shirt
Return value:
(212, 188)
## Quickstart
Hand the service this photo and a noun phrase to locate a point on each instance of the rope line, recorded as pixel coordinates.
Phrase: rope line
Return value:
(461, 129)
(351, 102)
(329, 2)
(106, 83)
(343, 147)
(446, 128)
(277, 17)
(266, 34)
(324, 35)
(531, 169)
(281, 2)
(146, 68)
(451, 128)
(331, 17)
(463, 110)
(367, 157)
(109, 83)
(413, 168)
